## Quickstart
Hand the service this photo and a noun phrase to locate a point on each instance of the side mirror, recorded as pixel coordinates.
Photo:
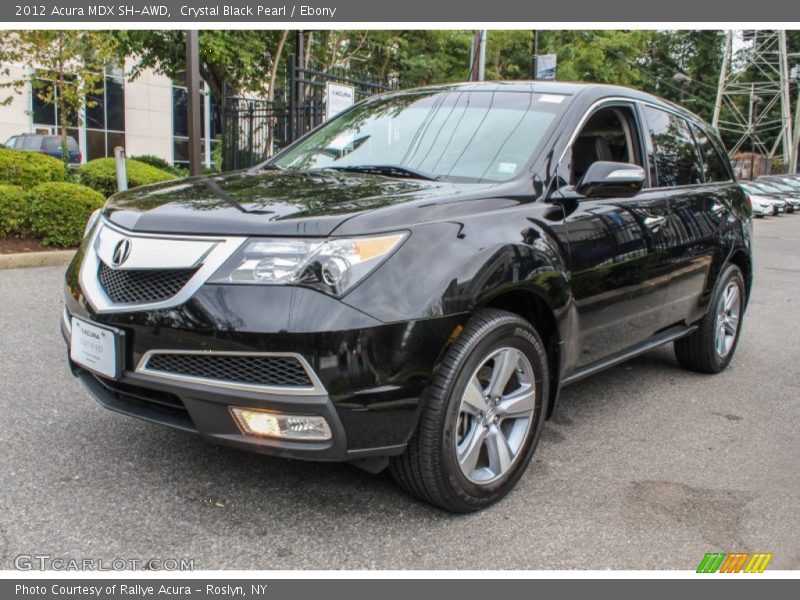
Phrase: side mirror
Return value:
(605, 179)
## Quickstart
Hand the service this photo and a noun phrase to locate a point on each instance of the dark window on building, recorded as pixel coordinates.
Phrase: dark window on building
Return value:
(180, 125)
(675, 153)
(44, 113)
(105, 119)
(180, 112)
(715, 167)
(103, 115)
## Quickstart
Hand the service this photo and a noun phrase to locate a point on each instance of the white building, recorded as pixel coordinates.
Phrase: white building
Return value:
(145, 116)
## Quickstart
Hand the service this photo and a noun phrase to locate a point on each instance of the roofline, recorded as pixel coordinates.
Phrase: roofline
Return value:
(563, 87)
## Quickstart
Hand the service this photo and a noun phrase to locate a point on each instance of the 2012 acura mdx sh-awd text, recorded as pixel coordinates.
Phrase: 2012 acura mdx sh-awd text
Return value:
(412, 283)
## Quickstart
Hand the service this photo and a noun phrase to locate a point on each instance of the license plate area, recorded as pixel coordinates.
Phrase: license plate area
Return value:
(98, 348)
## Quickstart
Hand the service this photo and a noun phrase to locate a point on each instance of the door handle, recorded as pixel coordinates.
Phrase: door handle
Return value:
(654, 222)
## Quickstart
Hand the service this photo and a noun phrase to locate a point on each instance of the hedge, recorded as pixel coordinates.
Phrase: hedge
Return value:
(27, 169)
(101, 174)
(157, 162)
(13, 213)
(58, 212)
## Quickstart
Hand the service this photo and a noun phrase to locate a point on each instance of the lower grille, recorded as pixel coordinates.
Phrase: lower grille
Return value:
(148, 402)
(253, 369)
(140, 286)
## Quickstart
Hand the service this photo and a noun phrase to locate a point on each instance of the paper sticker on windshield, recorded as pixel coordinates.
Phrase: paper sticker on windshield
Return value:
(507, 168)
(551, 98)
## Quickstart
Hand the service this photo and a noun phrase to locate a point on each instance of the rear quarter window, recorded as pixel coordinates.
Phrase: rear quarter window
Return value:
(715, 166)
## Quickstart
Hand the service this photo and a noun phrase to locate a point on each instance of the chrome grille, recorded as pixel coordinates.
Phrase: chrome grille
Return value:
(257, 370)
(141, 286)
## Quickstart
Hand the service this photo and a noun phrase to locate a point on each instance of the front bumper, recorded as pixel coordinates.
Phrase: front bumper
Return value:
(372, 374)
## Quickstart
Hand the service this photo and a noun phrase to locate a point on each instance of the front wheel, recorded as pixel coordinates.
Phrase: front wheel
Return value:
(482, 418)
(711, 348)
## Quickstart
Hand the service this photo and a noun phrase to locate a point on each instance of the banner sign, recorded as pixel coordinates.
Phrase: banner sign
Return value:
(337, 98)
(546, 67)
(369, 11)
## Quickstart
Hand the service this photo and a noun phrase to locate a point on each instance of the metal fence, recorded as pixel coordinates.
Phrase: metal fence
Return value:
(307, 92)
(253, 130)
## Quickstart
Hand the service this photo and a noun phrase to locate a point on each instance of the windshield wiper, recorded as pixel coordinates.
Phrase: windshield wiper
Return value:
(388, 170)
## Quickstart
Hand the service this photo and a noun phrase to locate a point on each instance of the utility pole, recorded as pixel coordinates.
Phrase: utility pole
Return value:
(535, 58)
(193, 97)
(477, 56)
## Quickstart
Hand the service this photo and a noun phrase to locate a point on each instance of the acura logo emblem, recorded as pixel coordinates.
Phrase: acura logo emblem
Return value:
(121, 252)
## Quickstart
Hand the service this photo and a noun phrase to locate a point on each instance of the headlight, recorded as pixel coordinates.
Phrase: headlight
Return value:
(92, 220)
(333, 265)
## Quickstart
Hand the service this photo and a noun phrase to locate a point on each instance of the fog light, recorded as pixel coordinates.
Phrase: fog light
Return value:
(277, 425)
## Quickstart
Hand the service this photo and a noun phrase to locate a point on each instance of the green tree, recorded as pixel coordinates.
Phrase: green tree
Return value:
(232, 60)
(73, 62)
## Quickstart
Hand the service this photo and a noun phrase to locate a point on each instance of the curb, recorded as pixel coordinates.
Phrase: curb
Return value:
(53, 258)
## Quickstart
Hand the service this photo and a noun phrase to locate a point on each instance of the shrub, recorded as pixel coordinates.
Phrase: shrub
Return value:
(101, 174)
(27, 169)
(13, 213)
(157, 162)
(58, 212)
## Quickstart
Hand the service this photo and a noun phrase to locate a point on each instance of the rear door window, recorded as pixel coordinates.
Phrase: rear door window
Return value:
(674, 152)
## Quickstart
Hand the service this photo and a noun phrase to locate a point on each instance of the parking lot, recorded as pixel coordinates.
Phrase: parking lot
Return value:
(645, 466)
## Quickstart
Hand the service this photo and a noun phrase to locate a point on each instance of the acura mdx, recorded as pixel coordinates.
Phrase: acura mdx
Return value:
(411, 284)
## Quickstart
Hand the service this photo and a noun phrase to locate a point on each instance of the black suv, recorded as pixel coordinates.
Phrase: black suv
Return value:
(412, 283)
(45, 144)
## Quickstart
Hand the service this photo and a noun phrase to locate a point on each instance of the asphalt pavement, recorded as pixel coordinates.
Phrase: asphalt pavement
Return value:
(644, 466)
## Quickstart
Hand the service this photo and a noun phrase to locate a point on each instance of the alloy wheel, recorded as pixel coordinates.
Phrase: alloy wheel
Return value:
(727, 321)
(495, 414)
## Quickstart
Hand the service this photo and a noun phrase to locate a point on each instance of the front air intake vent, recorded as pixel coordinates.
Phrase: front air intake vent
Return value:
(142, 286)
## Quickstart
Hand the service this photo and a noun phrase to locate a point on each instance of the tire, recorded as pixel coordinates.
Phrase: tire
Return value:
(438, 465)
(700, 351)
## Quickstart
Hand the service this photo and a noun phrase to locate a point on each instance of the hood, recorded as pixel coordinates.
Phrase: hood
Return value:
(270, 202)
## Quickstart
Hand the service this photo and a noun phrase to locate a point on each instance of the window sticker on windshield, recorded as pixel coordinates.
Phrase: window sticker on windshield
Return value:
(551, 98)
(507, 168)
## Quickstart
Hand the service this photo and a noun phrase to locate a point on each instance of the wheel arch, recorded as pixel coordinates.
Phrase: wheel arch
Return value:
(741, 259)
(532, 306)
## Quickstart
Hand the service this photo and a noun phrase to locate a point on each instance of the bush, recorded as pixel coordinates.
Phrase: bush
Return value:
(27, 169)
(13, 213)
(101, 174)
(58, 212)
(157, 162)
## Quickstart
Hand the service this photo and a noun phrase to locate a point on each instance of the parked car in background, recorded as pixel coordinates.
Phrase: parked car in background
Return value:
(411, 284)
(45, 144)
(762, 206)
(782, 191)
(792, 182)
(756, 190)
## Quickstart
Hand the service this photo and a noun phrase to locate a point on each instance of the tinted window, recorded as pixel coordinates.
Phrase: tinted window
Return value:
(675, 154)
(29, 142)
(52, 143)
(714, 167)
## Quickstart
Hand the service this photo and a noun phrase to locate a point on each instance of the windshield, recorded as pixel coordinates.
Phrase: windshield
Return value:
(753, 189)
(453, 135)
